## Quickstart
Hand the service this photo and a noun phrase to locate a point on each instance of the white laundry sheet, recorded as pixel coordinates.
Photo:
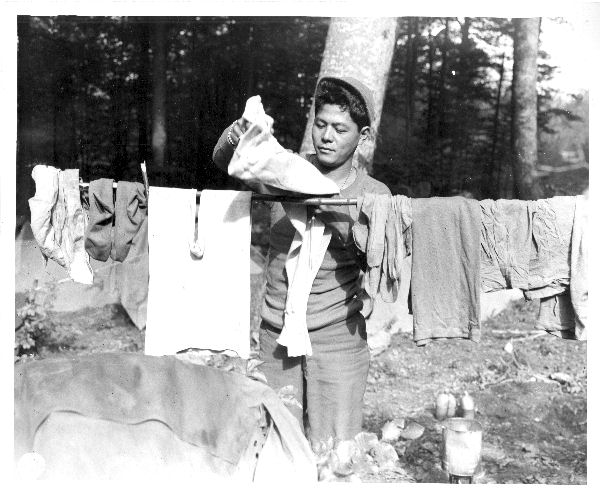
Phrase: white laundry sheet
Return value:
(199, 290)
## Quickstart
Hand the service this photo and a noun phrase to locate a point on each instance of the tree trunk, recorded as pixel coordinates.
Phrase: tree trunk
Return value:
(141, 93)
(524, 108)
(159, 94)
(361, 48)
(24, 118)
(489, 191)
(410, 72)
(442, 130)
(430, 134)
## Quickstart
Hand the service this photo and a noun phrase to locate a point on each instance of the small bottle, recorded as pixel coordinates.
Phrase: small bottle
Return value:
(441, 406)
(451, 405)
(467, 406)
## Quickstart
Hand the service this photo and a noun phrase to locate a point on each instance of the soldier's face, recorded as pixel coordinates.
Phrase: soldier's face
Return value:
(335, 135)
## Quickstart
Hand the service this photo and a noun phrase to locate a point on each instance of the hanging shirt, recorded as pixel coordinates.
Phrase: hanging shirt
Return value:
(446, 283)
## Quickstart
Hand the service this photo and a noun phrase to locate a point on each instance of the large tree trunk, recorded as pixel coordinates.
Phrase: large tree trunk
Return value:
(24, 118)
(159, 94)
(524, 108)
(361, 48)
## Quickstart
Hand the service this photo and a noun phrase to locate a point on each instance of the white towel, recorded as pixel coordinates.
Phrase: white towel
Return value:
(304, 259)
(196, 302)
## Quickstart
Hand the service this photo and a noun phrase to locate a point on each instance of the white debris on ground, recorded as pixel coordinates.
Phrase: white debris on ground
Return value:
(367, 455)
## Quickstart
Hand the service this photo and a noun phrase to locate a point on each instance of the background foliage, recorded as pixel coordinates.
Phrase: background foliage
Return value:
(85, 99)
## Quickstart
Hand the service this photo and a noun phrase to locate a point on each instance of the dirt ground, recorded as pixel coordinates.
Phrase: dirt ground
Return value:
(531, 402)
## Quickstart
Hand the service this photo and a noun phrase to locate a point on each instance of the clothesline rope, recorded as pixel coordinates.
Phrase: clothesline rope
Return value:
(258, 197)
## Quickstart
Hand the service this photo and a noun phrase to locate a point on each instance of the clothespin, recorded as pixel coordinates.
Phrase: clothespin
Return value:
(145, 177)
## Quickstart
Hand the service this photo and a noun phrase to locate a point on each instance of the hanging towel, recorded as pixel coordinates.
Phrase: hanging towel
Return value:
(260, 160)
(445, 284)
(58, 220)
(304, 259)
(198, 303)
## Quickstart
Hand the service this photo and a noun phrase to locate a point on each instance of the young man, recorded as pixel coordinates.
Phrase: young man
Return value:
(331, 382)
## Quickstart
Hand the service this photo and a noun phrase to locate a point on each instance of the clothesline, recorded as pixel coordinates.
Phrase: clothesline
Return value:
(284, 198)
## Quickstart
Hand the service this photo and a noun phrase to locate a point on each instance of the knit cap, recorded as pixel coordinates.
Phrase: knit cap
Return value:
(365, 93)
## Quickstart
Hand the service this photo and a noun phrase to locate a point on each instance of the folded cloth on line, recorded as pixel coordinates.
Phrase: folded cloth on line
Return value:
(506, 232)
(260, 160)
(58, 221)
(552, 227)
(219, 413)
(445, 284)
(192, 302)
(565, 314)
(304, 259)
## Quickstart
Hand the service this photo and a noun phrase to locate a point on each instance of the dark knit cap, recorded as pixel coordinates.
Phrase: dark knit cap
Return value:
(358, 87)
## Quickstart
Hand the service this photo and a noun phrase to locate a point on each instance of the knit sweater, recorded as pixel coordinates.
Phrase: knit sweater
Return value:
(334, 293)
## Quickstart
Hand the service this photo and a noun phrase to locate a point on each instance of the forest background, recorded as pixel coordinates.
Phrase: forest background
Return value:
(98, 93)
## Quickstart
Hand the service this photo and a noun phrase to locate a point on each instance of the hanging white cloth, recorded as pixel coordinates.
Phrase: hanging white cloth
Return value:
(304, 259)
(58, 221)
(260, 160)
(199, 290)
